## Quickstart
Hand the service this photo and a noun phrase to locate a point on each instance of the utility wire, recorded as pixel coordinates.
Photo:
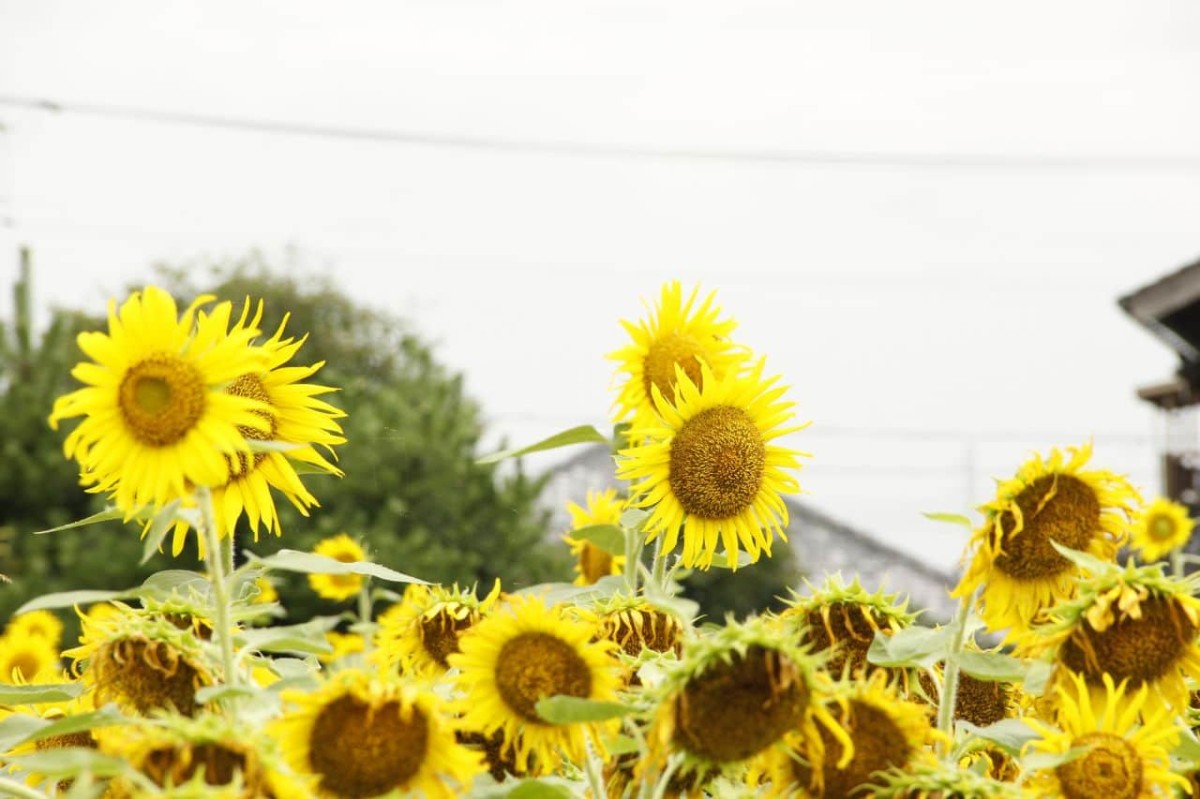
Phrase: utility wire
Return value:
(584, 149)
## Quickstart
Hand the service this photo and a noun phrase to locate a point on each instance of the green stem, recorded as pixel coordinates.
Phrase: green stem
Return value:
(13, 788)
(364, 616)
(633, 558)
(950, 683)
(660, 567)
(216, 551)
(1176, 564)
(594, 771)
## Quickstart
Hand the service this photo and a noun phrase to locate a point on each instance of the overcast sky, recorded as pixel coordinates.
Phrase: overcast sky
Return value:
(922, 213)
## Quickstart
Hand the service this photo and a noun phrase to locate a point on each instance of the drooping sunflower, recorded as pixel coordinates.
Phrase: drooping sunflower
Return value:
(26, 657)
(940, 780)
(363, 734)
(520, 654)
(592, 562)
(843, 620)
(338, 587)
(295, 416)
(709, 469)
(1049, 500)
(981, 702)
(1161, 527)
(52, 712)
(885, 732)
(640, 630)
(1131, 624)
(421, 631)
(219, 755)
(1127, 741)
(736, 692)
(143, 661)
(38, 623)
(679, 335)
(157, 418)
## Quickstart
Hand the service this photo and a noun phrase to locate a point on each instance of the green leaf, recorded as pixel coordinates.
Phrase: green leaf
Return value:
(1009, 734)
(1083, 560)
(211, 693)
(306, 638)
(720, 561)
(912, 646)
(106, 515)
(1036, 677)
(583, 434)
(1038, 761)
(37, 694)
(70, 762)
(68, 599)
(951, 518)
(562, 709)
(540, 789)
(164, 522)
(557, 593)
(292, 560)
(608, 537)
(82, 722)
(18, 727)
(622, 745)
(634, 518)
(993, 666)
(161, 585)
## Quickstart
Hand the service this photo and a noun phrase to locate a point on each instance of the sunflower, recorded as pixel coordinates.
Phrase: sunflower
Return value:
(679, 335)
(344, 645)
(885, 732)
(592, 562)
(361, 734)
(1161, 527)
(226, 756)
(1051, 500)
(157, 418)
(294, 416)
(338, 587)
(421, 631)
(26, 657)
(978, 701)
(937, 780)
(843, 620)
(51, 712)
(1127, 740)
(523, 653)
(1131, 624)
(143, 661)
(641, 631)
(736, 692)
(709, 468)
(36, 623)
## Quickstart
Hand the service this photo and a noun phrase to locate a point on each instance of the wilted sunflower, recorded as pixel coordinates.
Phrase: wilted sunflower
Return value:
(157, 418)
(640, 630)
(1131, 624)
(294, 416)
(52, 712)
(736, 692)
(421, 631)
(520, 654)
(679, 335)
(362, 734)
(709, 468)
(27, 657)
(885, 732)
(38, 623)
(338, 587)
(592, 562)
(142, 661)
(228, 757)
(843, 620)
(1127, 741)
(1051, 500)
(1160, 528)
(939, 780)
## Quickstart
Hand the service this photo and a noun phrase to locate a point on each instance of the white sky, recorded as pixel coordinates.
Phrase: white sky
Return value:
(936, 321)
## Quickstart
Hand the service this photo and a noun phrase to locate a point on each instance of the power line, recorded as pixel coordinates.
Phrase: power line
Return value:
(585, 149)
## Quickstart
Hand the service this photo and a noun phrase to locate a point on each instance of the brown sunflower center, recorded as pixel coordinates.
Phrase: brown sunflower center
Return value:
(440, 633)
(981, 702)
(533, 666)
(845, 627)
(1054, 507)
(878, 744)
(161, 399)
(1140, 650)
(1161, 528)
(146, 675)
(360, 751)
(594, 563)
(717, 462)
(658, 367)
(250, 385)
(635, 629)
(739, 707)
(169, 766)
(1111, 769)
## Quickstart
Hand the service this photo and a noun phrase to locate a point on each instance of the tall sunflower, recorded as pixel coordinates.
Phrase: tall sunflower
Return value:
(592, 562)
(520, 654)
(1049, 500)
(1161, 527)
(362, 734)
(27, 657)
(294, 416)
(710, 469)
(420, 632)
(157, 418)
(1126, 739)
(37, 623)
(338, 587)
(679, 334)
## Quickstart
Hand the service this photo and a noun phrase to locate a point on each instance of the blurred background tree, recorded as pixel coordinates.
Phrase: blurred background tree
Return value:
(412, 492)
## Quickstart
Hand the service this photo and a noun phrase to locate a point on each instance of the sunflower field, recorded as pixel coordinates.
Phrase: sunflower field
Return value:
(1069, 670)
